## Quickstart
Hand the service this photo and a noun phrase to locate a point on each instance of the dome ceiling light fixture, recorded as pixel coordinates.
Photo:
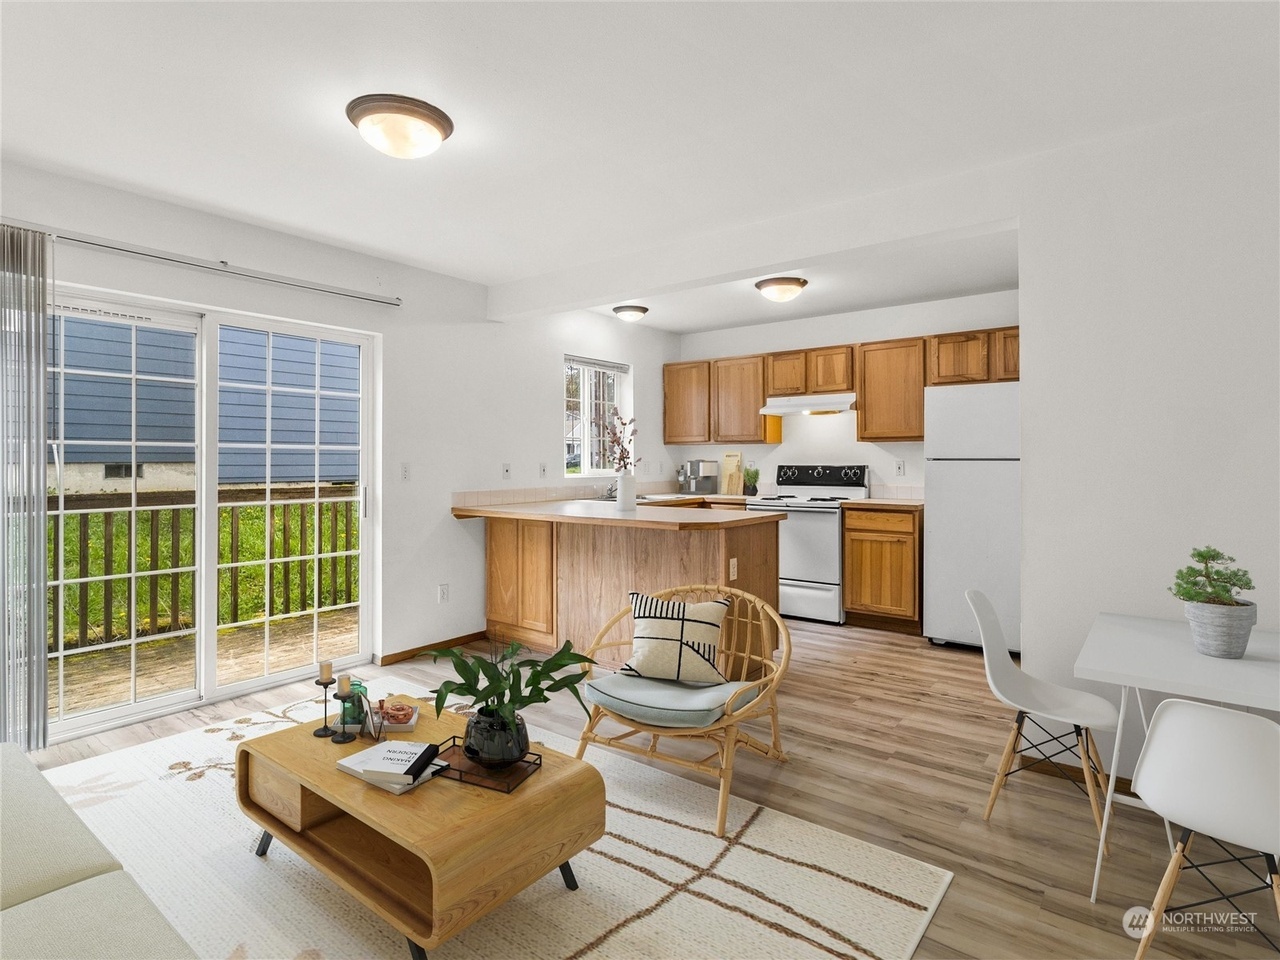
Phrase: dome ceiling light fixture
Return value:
(630, 312)
(399, 126)
(781, 289)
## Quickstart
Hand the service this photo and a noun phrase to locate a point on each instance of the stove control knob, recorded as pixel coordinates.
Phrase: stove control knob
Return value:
(848, 473)
(818, 473)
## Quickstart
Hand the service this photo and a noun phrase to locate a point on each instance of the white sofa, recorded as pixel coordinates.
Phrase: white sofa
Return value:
(62, 894)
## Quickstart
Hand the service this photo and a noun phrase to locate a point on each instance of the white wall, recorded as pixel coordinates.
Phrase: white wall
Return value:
(1148, 272)
(459, 395)
(834, 439)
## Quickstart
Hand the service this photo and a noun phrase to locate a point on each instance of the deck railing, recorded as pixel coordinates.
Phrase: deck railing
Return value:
(163, 546)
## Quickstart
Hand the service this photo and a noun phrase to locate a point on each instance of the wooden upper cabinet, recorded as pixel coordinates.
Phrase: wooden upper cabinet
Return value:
(891, 390)
(686, 402)
(823, 370)
(737, 394)
(830, 369)
(785, 374)
(1004, 348)
(959, 358)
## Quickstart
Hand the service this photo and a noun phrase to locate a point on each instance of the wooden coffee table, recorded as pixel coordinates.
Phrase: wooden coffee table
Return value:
(431, 861)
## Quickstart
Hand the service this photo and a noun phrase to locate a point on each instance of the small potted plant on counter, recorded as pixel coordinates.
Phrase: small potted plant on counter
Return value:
(750, 477)
(1220, 622)
(500, 687)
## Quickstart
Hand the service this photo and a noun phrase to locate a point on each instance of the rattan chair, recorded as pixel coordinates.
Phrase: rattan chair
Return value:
(752, 630)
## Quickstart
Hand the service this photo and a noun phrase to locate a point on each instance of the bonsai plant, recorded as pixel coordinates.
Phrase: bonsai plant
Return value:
(500, 686)
(750, 477)
(1220, 622)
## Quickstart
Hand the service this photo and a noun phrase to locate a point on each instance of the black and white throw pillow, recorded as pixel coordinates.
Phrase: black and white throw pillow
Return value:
(675, 640)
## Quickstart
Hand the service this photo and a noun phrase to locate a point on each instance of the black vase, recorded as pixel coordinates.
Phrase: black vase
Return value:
(491, 742)
(749, 489)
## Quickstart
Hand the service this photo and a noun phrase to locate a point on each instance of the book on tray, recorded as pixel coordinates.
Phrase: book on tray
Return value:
(396, 765)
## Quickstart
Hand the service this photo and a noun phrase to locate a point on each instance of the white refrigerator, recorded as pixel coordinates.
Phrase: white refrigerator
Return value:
(972, 516)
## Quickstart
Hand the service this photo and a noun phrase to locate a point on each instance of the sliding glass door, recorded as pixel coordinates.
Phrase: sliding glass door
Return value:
(180, 568)
(123, 403)
(290, 501)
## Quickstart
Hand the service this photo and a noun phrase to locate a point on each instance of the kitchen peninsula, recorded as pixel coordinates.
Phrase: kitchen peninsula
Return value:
(558, 570)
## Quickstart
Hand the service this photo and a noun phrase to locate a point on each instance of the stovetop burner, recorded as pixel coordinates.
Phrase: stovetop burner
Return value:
(817, 487)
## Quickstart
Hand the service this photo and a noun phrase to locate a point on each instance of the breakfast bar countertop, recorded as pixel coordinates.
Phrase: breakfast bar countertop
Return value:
(605, 513)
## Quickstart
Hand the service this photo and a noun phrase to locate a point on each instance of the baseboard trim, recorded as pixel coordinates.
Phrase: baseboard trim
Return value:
(869, 621)
(1124, 786)
(401, 655)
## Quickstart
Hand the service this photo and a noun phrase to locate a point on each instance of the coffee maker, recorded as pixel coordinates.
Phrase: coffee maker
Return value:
(699, 476)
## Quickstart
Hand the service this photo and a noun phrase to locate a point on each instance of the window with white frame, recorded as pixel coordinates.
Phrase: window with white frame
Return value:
(593, 389)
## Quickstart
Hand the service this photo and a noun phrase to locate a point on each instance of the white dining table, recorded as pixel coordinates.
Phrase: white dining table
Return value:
(1143, 653)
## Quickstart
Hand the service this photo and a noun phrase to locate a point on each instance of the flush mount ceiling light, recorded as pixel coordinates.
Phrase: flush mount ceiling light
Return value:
(399, 126)
(630, 312)
(782, 289)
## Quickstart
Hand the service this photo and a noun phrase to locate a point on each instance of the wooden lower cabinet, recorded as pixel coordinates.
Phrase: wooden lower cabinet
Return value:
(882, 563)
(520, 581)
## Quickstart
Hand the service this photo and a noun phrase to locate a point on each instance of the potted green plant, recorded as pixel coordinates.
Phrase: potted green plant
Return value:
(1220, 621)
(750, 477)
(500, 686)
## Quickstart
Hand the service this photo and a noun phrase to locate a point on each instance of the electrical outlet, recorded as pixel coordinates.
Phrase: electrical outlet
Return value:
(404, 471)
(542, 471)
(733, 569)
(506, 471)
(442, 593)
(644, 467)
(899, 468)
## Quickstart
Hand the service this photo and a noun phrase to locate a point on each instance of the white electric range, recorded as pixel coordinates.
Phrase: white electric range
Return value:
(811, 539)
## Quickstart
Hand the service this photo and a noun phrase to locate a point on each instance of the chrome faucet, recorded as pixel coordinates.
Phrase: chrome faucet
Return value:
(611, 491)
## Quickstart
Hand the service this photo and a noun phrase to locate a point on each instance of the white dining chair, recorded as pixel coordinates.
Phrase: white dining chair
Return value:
(1216, 772)
(1033, 697)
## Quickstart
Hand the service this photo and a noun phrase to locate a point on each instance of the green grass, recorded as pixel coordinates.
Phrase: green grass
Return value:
(93, 546)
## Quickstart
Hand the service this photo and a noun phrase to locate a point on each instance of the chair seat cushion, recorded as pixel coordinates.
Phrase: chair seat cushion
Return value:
(666, 703)
(675, 640)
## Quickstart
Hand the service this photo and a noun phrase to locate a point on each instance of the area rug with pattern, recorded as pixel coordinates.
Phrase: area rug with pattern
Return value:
(659, 884)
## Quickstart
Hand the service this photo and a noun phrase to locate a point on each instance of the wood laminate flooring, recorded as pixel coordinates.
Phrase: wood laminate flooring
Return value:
(896, 742)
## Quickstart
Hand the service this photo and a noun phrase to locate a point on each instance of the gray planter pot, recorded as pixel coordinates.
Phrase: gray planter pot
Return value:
(1221, 631)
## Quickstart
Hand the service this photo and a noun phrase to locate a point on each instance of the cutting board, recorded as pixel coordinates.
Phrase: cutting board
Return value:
(731, 474)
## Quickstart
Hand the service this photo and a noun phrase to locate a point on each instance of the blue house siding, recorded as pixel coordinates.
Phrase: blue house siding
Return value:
(106, 364)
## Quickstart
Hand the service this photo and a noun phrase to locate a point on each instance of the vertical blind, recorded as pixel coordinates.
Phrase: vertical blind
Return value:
(24, 286)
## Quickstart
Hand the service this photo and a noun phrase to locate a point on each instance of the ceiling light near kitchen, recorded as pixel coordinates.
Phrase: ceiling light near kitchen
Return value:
(781, 289)
(630, 312)
(399, 126)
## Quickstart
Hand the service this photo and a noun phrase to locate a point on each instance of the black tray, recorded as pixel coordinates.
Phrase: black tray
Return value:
(461, 767)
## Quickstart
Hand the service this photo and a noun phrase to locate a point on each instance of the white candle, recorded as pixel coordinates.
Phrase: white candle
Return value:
(344, 683)
(326, 671)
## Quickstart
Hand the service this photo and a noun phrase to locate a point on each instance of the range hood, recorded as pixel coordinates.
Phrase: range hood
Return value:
(814, 403)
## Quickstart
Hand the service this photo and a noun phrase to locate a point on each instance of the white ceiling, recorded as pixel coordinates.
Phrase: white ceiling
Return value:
(983, 260)
(587, 131)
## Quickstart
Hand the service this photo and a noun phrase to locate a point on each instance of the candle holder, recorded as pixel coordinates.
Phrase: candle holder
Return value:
(342, 736)
(326, 730)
